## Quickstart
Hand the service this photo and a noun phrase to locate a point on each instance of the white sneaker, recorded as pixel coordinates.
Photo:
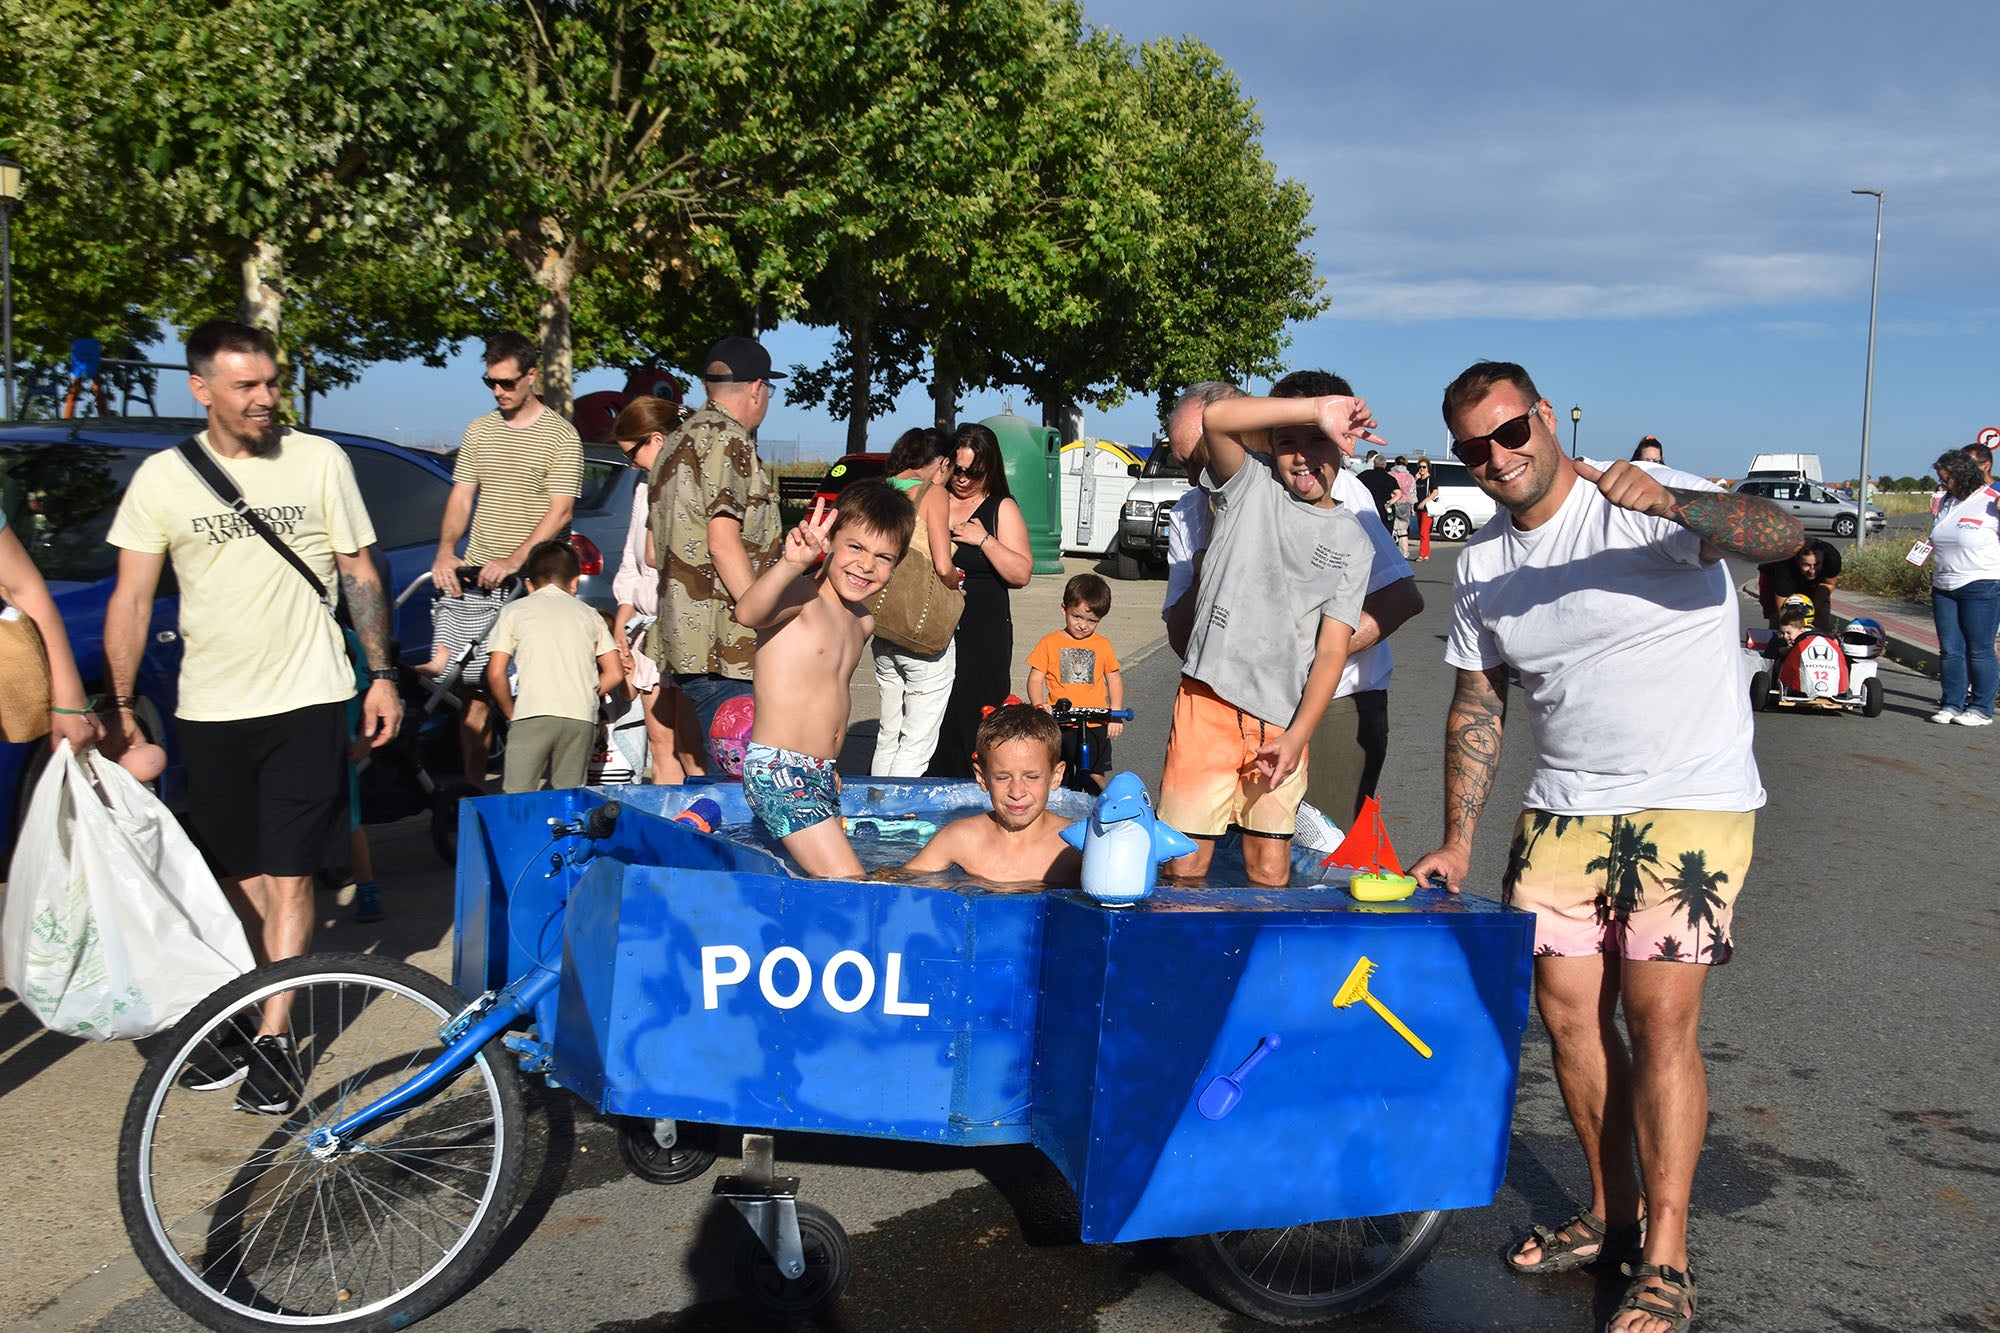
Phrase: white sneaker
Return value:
(1945, 715)
(1970, 719)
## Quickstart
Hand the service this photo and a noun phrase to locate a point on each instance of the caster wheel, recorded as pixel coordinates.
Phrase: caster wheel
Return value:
(662, 1166)
(829, 1262)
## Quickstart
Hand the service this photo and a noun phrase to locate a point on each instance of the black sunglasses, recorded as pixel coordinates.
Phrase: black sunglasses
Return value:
(969, 473)
(1508, 435)
(505, 385)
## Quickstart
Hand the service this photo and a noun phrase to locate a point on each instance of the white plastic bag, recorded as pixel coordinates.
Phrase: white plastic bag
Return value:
(114, 926)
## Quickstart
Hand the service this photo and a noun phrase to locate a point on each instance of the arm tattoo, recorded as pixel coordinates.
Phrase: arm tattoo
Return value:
(1740, 524)
(1472, 749)
(368, 612)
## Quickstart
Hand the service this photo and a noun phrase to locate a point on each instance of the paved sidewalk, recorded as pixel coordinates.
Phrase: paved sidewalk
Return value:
(1912, 634)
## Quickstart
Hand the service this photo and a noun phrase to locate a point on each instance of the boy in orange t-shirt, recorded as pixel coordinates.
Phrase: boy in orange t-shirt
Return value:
(1079, 664)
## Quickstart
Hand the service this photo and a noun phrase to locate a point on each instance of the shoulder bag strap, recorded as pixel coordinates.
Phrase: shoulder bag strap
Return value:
(226, 491)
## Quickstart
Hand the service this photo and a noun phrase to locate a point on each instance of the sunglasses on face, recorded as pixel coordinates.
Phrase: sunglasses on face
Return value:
(969, 473)
(504, 385)
(1509, 435)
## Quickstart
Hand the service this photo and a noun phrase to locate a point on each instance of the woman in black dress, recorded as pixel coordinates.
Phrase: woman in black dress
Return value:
(990, 543)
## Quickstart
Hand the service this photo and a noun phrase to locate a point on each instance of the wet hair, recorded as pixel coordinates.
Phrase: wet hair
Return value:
(985, 446)
(878, 507)
(1960, 474)
(645, 416)
(212, 338)
(1312, 384)
(1017, 722)
(552, 562)
(1478, 379)
(918, 447)
(1648, 443)
(1090, 592)
(521, 349)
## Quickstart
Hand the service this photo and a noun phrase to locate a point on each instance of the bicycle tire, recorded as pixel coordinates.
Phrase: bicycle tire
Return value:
(212, 1195)
(1321, 1270)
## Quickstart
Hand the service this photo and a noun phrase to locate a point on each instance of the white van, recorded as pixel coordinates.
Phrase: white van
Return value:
(1786, 465)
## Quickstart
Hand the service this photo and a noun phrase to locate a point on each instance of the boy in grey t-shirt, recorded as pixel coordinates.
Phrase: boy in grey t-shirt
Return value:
(1279, 596)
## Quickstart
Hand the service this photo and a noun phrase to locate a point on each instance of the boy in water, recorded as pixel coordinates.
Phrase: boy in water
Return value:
(810, 635)
(1018, 762)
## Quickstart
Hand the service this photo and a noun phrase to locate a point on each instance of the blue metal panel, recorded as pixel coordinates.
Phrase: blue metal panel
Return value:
(1142, 1007)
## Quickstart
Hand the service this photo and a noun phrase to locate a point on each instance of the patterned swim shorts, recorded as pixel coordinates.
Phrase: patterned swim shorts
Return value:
(789, 791)
(1653, 886)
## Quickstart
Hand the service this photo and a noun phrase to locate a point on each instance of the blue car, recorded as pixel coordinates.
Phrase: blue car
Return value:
(61, 483)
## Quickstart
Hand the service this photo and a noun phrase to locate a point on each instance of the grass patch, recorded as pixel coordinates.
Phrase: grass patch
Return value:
(1879, 569)
(1893, 503)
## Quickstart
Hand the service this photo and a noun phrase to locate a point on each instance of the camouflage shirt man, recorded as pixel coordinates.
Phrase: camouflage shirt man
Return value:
(714, 528)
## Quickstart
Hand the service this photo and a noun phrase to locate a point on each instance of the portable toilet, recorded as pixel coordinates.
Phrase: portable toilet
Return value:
(1033, 457)
(1097, 475)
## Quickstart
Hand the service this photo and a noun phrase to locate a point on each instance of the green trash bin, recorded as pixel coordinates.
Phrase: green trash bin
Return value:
(1033, 455)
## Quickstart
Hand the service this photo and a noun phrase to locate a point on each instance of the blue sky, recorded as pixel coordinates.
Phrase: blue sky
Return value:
(1646, 205)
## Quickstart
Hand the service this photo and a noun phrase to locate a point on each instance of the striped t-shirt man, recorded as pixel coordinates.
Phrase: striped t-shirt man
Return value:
(517, 470)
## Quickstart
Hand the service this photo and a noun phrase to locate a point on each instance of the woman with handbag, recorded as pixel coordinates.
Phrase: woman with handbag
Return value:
(673, 737)
(41, 693)
(990, 543)
(915, 653)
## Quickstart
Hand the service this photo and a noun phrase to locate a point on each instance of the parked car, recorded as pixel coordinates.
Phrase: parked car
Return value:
(598, 526)
(61, 483)
(1457, 507)
(1142, 521)
(1816, 506)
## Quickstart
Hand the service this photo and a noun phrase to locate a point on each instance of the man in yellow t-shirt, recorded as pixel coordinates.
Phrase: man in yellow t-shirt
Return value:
(523, 466)
(264, 678)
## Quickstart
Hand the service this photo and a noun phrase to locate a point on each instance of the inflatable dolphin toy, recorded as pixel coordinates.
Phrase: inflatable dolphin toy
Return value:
(1123, 843)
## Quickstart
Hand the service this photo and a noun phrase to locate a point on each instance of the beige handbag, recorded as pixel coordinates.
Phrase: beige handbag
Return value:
(24, 676)
(915, 612)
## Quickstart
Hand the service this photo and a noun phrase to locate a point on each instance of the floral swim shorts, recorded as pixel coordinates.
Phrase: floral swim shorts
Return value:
(789, 791)
(1652, 886)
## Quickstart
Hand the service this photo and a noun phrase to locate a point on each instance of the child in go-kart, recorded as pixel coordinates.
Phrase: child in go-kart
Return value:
(1018, 762)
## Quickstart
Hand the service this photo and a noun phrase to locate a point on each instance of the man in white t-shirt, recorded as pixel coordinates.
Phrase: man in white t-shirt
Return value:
(1603, 586)
(264, 679)
(1351, 742)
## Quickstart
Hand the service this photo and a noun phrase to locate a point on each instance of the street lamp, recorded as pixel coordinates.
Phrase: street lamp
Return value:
(10, 194)
(1575, 420)
(1868, 384)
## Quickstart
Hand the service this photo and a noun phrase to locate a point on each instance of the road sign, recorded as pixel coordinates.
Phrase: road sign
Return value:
(1990, 436)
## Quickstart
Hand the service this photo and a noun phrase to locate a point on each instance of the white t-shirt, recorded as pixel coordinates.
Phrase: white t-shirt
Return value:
(255, 641)
(1626, 643)
(1188, 525)
(1966, 539)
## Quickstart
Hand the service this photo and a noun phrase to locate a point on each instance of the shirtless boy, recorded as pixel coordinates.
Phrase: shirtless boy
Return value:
(810, 635)
(1018, 763)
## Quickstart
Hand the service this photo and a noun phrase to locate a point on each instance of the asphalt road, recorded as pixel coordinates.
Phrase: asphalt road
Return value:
(1851, 1179)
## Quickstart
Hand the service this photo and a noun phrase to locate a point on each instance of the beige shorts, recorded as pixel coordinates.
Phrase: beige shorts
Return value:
(1212, 781)
(1654, 886)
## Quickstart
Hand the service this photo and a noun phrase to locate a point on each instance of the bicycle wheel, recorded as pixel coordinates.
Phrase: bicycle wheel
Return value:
(1321, 1270)
(238, 1221)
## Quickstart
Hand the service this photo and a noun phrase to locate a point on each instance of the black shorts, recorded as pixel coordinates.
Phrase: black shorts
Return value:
(268, 795)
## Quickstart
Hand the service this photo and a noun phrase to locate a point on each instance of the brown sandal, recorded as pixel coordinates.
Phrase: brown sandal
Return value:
(1672, 1299)
(1560, 1246)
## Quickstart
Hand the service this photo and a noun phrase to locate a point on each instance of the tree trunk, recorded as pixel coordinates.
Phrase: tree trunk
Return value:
(944, 386)
(556, 275)
(860, 377)
(262, 297)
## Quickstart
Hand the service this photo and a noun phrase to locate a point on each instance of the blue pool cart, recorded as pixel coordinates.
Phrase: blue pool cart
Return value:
(682, 981)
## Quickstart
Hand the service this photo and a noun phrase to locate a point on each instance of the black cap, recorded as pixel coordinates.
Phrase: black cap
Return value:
(746, 358)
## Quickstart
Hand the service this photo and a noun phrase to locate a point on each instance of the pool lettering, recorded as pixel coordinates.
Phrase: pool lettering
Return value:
(736, 959)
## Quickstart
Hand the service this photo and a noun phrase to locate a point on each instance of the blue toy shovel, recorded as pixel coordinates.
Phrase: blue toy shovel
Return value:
(1219, 1098)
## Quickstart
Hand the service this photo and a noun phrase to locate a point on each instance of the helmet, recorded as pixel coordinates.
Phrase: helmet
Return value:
(729, 734)
(1863, 638)
(1799, 602)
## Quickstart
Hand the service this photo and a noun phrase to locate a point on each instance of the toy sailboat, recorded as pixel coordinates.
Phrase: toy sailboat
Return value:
(1367, 851)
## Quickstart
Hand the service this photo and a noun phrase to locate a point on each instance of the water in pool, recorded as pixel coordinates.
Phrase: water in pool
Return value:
(884, 841)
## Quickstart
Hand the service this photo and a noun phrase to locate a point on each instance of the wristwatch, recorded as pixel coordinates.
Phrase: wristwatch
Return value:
(384, 673)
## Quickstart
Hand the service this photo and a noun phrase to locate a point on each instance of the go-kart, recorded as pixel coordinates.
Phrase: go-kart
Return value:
(1819, 670)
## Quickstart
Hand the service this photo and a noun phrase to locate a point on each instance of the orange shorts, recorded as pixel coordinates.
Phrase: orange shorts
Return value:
(1655, 886)
(1212, 780)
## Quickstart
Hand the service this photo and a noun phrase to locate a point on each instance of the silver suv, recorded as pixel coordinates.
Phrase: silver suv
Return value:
(1816, 506)
(1142, 523)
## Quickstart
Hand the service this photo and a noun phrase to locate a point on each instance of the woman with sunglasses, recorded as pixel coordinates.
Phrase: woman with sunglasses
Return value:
(990, 543)
(672, 734)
